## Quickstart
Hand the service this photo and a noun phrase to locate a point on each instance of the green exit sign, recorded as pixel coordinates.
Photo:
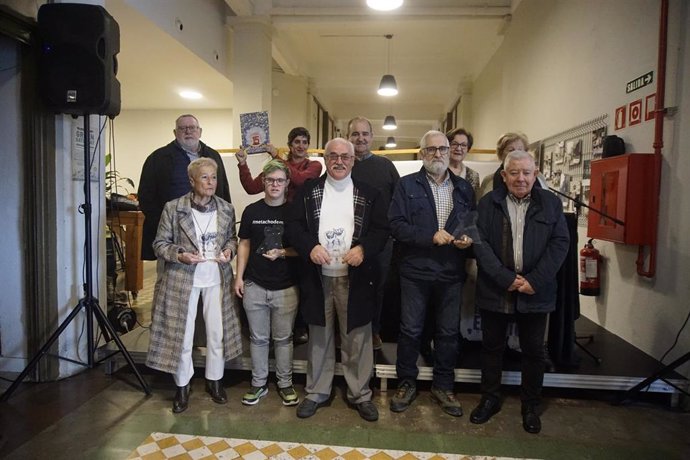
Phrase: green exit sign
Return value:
(639, 82)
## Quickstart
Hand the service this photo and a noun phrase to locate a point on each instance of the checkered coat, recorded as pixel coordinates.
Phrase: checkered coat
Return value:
(176, 234)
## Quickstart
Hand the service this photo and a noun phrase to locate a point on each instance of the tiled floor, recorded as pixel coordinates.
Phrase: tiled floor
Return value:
(173, 446)
(94, 416)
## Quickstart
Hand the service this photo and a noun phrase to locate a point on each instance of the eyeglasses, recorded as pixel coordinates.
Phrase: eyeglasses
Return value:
(274, 181)
(334, 157)
(191, 129)
(431, 151)
(455, 145)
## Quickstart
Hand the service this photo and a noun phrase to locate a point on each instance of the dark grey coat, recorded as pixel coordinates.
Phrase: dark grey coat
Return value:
(545, 245)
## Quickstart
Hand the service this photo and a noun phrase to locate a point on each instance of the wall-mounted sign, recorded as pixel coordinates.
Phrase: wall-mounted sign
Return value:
(649, 107)
(635, 112)
(620, 117)
(639, 82)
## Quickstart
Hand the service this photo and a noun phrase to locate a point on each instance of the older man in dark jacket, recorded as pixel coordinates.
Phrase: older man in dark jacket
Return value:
(524, 240)
(337, 225)
(164, 176)
(426, 217)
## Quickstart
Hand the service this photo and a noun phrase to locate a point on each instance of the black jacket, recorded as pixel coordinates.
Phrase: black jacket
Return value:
(153, 188)
(413, 222)
(302, 228)
(545, 245)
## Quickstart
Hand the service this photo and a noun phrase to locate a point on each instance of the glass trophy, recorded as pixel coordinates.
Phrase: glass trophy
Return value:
(466, 224)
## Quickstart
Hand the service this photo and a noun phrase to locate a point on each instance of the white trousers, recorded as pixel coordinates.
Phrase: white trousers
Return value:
(213, 317)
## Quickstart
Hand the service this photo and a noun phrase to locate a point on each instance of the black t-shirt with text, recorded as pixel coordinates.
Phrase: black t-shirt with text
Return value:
(263, 226)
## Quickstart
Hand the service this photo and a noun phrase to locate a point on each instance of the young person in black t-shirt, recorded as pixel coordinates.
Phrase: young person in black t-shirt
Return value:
(265, 281)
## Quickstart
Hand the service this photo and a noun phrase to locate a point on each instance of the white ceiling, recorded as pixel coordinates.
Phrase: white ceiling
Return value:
(338, 45)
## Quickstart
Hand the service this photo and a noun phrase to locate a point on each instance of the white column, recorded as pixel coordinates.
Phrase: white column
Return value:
(251, 70)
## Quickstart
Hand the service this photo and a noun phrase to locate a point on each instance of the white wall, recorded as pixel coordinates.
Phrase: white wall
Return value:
(203, 26)
(140, 132)
(288, 107)
(563, 63)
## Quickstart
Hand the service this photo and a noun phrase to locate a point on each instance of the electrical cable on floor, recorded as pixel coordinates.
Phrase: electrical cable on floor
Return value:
(675, 342)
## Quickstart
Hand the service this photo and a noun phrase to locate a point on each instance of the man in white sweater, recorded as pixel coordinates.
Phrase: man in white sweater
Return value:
(338, 226)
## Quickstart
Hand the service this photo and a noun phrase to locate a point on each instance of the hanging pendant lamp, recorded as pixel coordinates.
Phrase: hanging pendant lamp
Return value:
(390, 142)
(389, 123)
(388, 86)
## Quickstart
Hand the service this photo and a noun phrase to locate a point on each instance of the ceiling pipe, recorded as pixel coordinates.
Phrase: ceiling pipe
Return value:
(658, 145)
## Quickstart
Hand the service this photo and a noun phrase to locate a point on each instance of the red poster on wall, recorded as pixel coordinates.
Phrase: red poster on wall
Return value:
(649, 107)
(635, 112)
(620, 117)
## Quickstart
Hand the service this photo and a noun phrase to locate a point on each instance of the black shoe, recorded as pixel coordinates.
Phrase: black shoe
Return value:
(367, 410)
(307, 408)
(300, 337)
(485, 410)
(530, 420)
(181, 401)
(401, 400)
(216, 390)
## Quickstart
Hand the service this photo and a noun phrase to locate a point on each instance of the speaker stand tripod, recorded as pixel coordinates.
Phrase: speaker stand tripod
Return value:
(659, 375)
(589, 338)
(88, 303)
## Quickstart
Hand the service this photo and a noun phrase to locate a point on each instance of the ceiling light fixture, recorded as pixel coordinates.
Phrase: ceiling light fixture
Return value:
(190, 95)
(384, 5)
(390, 142)
(389, 123)
(388, 86)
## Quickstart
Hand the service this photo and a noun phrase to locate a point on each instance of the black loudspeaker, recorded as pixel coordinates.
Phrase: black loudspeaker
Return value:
(78, 59)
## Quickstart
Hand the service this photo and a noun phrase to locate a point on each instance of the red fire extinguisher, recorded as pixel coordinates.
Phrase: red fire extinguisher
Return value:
(590, 269)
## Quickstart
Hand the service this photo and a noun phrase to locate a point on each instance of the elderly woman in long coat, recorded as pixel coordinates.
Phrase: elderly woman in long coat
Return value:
(196, 240)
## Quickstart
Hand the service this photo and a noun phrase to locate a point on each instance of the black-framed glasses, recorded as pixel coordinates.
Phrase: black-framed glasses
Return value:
(431, 151)
(334, 157)
(190, 129)
(455, 145)
(274, 181)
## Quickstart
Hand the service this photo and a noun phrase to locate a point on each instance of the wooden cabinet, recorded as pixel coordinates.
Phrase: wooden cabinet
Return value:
(128, 226)
(621, 187)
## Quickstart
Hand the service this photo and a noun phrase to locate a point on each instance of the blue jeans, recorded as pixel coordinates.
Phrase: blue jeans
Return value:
(416, 296)
(270, 313)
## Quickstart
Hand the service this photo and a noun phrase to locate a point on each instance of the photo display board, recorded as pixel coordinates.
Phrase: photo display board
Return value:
(565, 162)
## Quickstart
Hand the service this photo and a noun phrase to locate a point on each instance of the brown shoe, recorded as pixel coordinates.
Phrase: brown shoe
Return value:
(447, 400)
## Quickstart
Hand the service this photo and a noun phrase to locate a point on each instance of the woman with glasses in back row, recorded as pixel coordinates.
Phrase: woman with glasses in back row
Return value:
(460, 144)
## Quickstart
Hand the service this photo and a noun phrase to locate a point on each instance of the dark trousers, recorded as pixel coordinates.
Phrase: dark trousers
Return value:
(531, 327)
(384, 263)
(416, 297)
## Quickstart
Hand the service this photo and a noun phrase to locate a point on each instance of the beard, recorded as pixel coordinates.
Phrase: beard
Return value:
(435, 167)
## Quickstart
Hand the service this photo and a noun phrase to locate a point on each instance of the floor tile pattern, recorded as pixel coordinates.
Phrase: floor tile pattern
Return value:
(159, 446)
